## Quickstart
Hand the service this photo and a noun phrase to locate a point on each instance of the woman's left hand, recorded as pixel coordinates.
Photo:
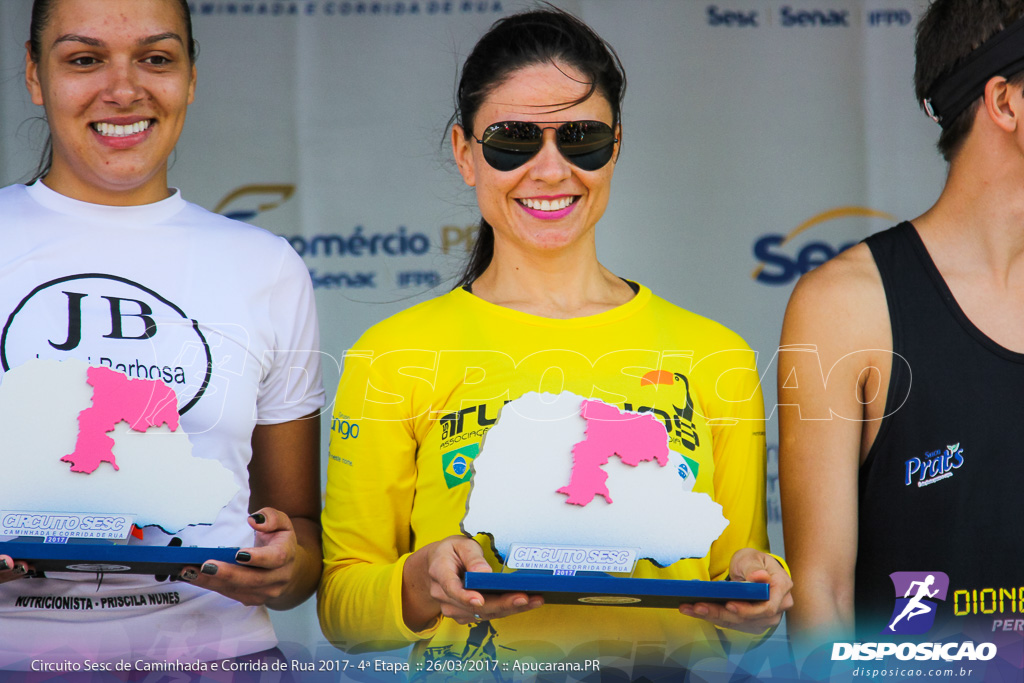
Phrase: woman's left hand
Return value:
(266, 573)
(749, 564)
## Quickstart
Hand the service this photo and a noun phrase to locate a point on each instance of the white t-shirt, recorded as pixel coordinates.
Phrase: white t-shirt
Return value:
(223, 312)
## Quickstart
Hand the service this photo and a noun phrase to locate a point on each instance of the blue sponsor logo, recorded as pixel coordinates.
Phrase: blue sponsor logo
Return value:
(248, 201)
(790, 17)
(345, 429)
(917, 596)
(721, 17)
(933, 466)
(401, 242)
(889, 17)
(780, 261)
(419, 278)
(342, 280)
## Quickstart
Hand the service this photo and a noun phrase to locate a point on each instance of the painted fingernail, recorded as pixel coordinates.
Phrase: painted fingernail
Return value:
(189, 575)
(20, 569)
(3, 566)
(209, 569)
(242, 556)
(259, 517)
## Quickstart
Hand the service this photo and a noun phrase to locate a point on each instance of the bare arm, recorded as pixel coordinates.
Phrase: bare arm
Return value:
(284, 566)
(833, 373)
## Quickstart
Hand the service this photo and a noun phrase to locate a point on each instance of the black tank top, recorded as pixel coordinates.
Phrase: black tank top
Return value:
(941, 488)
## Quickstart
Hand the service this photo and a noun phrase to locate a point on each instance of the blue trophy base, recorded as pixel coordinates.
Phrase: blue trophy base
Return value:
(602, 589)
(109, 559)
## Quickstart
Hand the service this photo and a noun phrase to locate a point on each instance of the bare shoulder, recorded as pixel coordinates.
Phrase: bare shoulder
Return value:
(841, 301)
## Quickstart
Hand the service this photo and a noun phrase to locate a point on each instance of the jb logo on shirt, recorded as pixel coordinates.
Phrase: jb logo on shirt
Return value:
(110, 321)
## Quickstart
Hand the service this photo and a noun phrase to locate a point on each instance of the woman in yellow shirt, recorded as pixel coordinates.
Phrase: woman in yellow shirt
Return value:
(536, 134)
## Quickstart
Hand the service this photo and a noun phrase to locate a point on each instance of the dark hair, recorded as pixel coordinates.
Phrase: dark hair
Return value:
(547, 35)
(946, 34)
(42, 10)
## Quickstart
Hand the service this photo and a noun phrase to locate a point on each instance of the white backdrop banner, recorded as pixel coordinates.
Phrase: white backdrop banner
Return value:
(760, 138)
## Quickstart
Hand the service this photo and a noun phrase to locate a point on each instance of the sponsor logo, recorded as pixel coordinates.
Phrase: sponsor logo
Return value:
(458, 464)
(782, 259)
(688, 469)
(64, 525)
(344, 429)
(454, 238)
(453, 425)
(917, 596)
(948, 652)
(248, 201)
(115, 321)
(789, 17)
(342, 280)
(418, 278)
(889, 17)
(680, 426)
(357, 244)
(724, 17)
(1000, 600)
(62, 602)
(933, 466)
(570, 559)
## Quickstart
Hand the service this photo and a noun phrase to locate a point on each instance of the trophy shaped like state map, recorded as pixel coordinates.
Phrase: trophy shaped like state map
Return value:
(566, 470)
(85, 439)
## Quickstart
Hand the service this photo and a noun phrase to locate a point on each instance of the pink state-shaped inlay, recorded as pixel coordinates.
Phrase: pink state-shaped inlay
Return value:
(635, 438)
(142, 403)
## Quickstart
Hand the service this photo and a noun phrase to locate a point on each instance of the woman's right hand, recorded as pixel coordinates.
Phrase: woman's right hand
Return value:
(432, 586)
(11, 570)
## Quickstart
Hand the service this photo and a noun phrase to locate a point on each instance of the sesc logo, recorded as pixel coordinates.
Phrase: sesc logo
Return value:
(914, 612)
(781, 261)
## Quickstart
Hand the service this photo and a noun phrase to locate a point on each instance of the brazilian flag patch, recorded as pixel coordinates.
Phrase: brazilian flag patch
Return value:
(457, 464)
(694, 465)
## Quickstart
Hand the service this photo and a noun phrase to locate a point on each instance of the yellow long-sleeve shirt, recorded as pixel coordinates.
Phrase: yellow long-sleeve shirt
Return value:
(418, 392)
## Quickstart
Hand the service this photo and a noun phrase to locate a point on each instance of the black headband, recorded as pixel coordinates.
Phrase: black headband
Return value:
(1000, 55)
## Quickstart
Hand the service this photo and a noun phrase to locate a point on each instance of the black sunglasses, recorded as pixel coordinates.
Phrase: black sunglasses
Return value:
(588, 145)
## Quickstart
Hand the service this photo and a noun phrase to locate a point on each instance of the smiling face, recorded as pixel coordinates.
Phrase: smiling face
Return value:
(115, 79)
(547, 205)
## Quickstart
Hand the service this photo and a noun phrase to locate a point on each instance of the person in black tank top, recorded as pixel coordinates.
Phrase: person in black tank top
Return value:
(900, 368)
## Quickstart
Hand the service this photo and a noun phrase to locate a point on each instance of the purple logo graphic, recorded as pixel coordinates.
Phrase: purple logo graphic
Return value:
(917, 596)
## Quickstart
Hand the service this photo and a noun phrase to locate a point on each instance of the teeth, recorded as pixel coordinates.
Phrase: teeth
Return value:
(112, 131)
(547, 204)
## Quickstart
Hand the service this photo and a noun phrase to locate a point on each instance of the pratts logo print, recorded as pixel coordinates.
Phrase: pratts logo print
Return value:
(113, 322)
(933, 466)
(783, 258)
(917, 596)
(458, 464)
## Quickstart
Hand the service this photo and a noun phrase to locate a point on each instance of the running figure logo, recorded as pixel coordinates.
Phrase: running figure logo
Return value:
(915, 610)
